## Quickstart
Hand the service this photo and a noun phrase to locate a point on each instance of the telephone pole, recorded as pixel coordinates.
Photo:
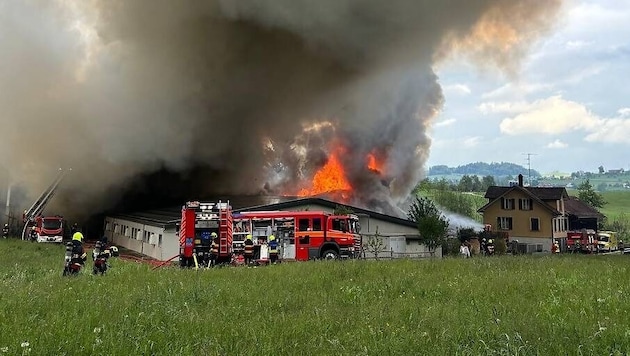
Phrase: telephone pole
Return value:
(529, 167)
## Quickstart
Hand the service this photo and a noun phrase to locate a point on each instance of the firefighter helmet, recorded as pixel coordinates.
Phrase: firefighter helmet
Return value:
(249, 237)
(214, 234)
(271, 238)
(77, 236)
(491, 241)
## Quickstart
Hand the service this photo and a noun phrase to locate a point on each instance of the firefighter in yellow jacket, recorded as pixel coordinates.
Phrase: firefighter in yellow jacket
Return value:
(214, 249)
(273, 249)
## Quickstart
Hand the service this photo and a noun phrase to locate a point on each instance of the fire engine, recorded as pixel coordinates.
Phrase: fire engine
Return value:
(584, 241)
(199, 221)
(301, 235)
(48, 229)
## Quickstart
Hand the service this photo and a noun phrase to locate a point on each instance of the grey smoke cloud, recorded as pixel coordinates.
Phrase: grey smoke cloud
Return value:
(118, 88)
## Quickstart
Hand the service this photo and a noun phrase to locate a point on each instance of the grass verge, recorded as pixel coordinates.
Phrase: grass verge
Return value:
(503, 305)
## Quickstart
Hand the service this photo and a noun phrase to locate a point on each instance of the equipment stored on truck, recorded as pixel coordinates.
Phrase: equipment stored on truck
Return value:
(299, 236)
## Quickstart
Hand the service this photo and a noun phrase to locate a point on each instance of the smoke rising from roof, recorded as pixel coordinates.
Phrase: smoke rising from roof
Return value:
(119, 90)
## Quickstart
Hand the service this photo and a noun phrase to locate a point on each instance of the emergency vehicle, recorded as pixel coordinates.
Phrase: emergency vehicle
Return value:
(584, 241)
(48, 229)
(199, 221)
(607, 241)
(301, 235)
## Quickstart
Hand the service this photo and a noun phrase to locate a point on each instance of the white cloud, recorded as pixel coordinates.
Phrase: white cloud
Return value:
(512, 90)
(505, 107)
(446, 122)
(577, 44)
(557, 144)
(553, 115)
(458, 89)
(624, 112)
(611, 131)
(470, 142)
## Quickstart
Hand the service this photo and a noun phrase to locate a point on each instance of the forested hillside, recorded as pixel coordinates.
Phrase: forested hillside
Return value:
(496, 169)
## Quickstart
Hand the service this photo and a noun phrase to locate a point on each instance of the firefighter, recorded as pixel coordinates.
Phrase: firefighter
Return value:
(78, 254)
(273, 249)
(214, 249)
(249, 250)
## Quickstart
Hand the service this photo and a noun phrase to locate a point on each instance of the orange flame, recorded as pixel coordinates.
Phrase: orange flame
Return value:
(331, 177)
(373, 164)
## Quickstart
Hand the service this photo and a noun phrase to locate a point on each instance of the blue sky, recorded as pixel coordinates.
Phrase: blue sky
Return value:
(568, 102)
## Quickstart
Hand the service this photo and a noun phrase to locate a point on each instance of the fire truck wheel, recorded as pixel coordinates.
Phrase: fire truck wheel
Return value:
(330, 255)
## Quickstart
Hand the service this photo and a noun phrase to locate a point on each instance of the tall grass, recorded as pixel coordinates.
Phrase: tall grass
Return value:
(503, 305)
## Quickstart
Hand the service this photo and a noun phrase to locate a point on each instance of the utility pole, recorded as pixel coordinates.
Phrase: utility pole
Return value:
(529, 167)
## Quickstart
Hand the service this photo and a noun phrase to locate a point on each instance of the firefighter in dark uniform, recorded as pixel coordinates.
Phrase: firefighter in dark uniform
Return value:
(214, 249)
(78, 254)
(249, 250)
(75, 255)
(273, 249)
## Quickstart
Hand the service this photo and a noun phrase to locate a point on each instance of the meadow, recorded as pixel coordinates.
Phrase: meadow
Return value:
(504, 305)
(618, 202)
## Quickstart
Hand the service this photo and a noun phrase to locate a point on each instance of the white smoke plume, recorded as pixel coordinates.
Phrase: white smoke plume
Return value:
(119, 90)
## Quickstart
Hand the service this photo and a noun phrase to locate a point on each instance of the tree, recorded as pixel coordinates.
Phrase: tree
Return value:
(600, 169)
(466, 233)
(486, 182)
(455, 202)
(588, 195)
(432, 225)
(342, 210)
(465, 183)
(374, 244)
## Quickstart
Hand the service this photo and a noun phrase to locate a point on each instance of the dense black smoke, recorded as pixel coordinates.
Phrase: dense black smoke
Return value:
(215, 95)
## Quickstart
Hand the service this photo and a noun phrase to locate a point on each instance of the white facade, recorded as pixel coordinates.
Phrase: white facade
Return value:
(397, 240)
(153, 240)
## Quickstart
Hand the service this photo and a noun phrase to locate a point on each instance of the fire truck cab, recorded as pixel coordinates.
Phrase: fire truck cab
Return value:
(48, 229)
(199, 222)
(301, 235)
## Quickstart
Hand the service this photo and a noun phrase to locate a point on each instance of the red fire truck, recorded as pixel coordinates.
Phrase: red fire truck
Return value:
(301, 235)
(199, 221)
(584, 241)
(48, 229)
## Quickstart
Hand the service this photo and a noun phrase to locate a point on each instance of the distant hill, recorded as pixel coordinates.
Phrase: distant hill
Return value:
(495, 169)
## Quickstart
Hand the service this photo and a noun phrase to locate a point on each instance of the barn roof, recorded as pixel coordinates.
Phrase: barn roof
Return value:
(578, 208)
(172, 215)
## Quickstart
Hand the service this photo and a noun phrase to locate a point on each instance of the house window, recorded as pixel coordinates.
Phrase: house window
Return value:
(534, 224)
(504, 223)
(507, 204)
(160, 240)
(525, 204)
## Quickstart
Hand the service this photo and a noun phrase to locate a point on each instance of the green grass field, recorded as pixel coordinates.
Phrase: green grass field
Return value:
(500, 305)
(618, 202)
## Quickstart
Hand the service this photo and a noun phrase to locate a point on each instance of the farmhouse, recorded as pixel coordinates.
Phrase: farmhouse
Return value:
(155, 232)
(535, 215)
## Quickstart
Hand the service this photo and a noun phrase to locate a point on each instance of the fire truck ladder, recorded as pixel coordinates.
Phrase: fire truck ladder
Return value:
(226, 225)
(40, 204)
